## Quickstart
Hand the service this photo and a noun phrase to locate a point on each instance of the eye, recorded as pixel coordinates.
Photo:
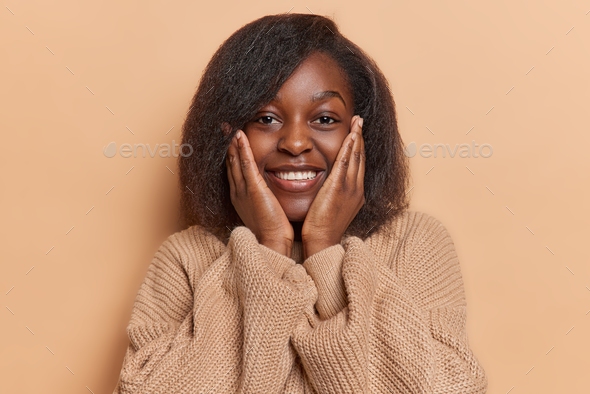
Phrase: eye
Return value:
(265, 120)
(325, 120)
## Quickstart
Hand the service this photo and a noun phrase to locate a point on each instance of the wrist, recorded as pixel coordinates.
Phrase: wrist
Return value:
(312, 247)
(279, 247)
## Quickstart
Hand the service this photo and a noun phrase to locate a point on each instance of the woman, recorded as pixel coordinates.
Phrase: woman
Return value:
(302, 270)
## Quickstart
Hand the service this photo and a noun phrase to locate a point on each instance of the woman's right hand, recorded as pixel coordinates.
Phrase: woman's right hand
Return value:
(256, 204)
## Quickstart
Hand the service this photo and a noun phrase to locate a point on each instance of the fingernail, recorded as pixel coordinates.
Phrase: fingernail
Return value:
(361, 122)
(238, 134)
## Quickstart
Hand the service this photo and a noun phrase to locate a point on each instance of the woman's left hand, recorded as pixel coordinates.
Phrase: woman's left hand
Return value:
(340, 198)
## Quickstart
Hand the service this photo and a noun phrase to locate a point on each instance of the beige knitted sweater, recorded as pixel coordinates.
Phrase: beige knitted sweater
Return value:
(386, 315)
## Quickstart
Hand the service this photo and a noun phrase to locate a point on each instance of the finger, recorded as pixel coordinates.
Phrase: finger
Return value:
(236, 169)
(247, 162)
(342, 161)
(361, 174)
(230, 177)
(355, 156)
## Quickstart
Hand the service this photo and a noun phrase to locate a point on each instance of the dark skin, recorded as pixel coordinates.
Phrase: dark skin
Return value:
(294, 129)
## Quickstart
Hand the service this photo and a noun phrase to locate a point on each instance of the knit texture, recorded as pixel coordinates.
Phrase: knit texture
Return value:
(384, 315)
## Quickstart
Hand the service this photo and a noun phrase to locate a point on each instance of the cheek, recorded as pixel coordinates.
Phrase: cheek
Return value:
(330, 147)
(261, 147)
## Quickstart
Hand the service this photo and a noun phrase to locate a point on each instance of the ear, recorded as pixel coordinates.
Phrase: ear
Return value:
(226, 128)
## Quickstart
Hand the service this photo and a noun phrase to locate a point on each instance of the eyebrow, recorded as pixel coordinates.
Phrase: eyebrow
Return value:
(320, 96)
(326, 94)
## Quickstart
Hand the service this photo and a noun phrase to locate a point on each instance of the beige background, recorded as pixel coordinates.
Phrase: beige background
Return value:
(64, 312)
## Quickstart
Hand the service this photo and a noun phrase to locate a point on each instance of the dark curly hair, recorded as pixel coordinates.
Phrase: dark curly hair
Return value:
(245, 74)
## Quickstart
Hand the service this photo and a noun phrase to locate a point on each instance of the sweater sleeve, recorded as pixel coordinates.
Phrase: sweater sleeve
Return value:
(273, 291)
(398, 334)
(160, 326)
(214, 321)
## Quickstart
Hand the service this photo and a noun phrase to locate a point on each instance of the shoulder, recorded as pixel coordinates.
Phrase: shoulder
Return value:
(410, 231)
(191, 250)
(420, 250)
(412, 224)
(423, 231)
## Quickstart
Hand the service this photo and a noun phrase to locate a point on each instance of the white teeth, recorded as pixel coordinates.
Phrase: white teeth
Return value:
(295, 176)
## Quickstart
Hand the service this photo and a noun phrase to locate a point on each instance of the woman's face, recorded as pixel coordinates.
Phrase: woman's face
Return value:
(299, 133)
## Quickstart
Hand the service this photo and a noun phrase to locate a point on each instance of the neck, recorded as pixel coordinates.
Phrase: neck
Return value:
(297, 230)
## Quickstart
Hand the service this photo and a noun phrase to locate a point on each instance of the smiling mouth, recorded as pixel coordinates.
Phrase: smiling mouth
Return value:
(295, 181)
(296, 175)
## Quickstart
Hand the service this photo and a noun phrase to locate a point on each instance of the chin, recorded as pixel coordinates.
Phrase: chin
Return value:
(296, 211)
(297, 217)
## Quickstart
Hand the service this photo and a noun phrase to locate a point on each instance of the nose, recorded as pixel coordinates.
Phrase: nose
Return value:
(295, 139)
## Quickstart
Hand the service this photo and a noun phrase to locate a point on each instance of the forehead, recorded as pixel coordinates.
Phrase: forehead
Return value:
(317, 73)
